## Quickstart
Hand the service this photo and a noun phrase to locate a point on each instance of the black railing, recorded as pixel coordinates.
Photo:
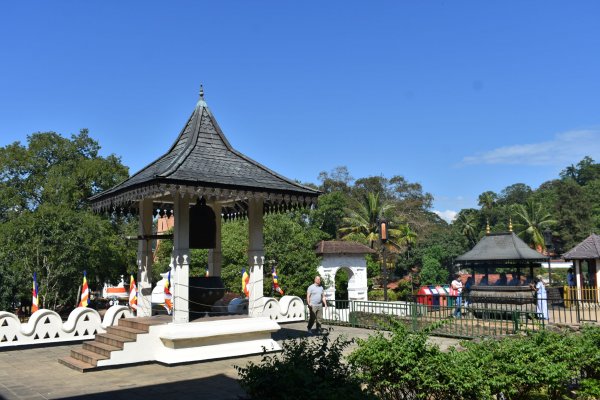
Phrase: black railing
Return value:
(476, 316)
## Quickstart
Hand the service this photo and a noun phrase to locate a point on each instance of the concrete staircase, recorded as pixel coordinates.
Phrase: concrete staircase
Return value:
(86, 358)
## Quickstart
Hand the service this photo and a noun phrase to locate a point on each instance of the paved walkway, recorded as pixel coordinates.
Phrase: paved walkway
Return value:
(34, 373)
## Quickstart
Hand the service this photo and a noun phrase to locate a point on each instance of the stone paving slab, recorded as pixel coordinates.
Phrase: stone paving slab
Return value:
(34, 373)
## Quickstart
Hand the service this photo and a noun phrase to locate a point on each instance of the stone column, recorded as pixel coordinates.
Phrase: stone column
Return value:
(144, 260)
(578, 279)
(256, 257)
(181, 254)
(214, 255)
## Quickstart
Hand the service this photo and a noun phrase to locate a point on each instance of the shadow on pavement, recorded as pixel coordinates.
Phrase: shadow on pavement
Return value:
(214, 387)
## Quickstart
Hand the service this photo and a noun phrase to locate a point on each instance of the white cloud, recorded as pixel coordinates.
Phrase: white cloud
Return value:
(565, 148)
(448, 215)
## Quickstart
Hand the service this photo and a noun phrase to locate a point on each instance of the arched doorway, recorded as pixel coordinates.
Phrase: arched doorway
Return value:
(342, 279)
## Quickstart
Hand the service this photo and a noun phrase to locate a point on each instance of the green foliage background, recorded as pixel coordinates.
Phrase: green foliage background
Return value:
(47, 227)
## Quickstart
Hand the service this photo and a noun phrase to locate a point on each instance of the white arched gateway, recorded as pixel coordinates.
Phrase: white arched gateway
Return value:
(348, 256)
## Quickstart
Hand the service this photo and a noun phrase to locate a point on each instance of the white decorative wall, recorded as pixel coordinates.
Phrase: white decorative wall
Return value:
(355, 265)
(46, 326)
(287, 309)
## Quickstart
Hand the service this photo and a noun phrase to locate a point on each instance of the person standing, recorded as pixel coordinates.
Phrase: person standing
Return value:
(571, 281)
(456, 288)
(315, 299)
(541, 298)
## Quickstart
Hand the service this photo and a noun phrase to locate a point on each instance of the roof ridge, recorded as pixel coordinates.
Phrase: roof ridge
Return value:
(512, 237)
(189, 145)
(596, 242)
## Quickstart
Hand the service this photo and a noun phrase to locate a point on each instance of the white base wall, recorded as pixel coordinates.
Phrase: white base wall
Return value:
(198, 341)
(46, 326)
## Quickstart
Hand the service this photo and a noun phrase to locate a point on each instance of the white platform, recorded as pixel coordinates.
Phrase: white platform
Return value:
(198, 341)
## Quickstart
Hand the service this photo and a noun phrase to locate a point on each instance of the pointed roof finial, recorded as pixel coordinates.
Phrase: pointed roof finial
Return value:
(487, 226)
(510, 224)
(201, 92)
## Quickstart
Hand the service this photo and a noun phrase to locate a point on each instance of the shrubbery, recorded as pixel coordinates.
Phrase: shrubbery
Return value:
(402, 365)
(306, 369)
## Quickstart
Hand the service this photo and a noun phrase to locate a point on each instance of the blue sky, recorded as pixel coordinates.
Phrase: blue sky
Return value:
(460, 96)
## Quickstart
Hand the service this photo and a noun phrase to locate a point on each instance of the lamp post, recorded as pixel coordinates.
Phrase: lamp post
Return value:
(383, 237)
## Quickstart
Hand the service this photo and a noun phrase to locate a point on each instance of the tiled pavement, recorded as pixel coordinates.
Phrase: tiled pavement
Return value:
(34, 373)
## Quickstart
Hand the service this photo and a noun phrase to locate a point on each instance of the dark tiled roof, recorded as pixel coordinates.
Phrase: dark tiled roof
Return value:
(342, 247)
(589, 248)
(202, 157)
(501, 247)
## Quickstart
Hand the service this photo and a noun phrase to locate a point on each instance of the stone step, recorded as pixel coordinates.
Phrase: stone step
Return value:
(87, 356)
(76, 364)
(123, 331)
(100, 348)
(113, 340)
(144, 323)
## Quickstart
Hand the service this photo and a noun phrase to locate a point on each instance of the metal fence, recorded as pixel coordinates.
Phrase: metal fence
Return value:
(483, 316)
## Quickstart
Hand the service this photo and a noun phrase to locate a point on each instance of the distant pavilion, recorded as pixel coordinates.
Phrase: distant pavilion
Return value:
(504, 251)
(586, 258)
(202, 169)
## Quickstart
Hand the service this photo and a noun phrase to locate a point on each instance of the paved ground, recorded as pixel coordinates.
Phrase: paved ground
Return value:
(34, 373)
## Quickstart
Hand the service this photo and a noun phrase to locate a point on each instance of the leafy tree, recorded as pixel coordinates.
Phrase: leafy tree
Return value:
(573, 211)
(329, 214)
(47, 227)
(584, 172)
(338, 180)
(517, 193)
(290, 241)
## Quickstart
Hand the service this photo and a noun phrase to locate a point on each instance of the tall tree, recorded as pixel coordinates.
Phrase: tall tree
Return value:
(467, 225)
(517, 193)
(47, 227)
(362, 220)
(532, 219)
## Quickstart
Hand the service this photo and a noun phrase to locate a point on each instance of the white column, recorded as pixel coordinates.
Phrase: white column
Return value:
(144, 260)
(256, 257)
(181, 253)
(578, 277)
(214, 255)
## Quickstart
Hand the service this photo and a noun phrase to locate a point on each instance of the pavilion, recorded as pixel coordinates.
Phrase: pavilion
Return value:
(586, 258)
(202, 170)
(501, 250)
(201, 180)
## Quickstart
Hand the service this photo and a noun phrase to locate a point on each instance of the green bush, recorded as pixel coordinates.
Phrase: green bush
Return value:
(377, 295)
(541, 365)
(400, 366)
(309, 368)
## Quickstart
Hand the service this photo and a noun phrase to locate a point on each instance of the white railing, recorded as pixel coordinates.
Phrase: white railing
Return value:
(46, 326)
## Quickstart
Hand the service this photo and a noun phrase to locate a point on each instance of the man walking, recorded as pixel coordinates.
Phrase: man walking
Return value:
(315, 298)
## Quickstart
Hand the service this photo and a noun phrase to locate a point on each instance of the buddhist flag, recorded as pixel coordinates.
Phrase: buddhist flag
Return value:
(132, 294)
(34, 295)
(85, 292)
(168, 295)
(276, 283)
(245, 281)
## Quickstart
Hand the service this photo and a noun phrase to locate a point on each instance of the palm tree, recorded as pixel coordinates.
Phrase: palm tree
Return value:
(487, 200)
(363, 218)
(532, 220)
(407, 237)
(467, 224)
